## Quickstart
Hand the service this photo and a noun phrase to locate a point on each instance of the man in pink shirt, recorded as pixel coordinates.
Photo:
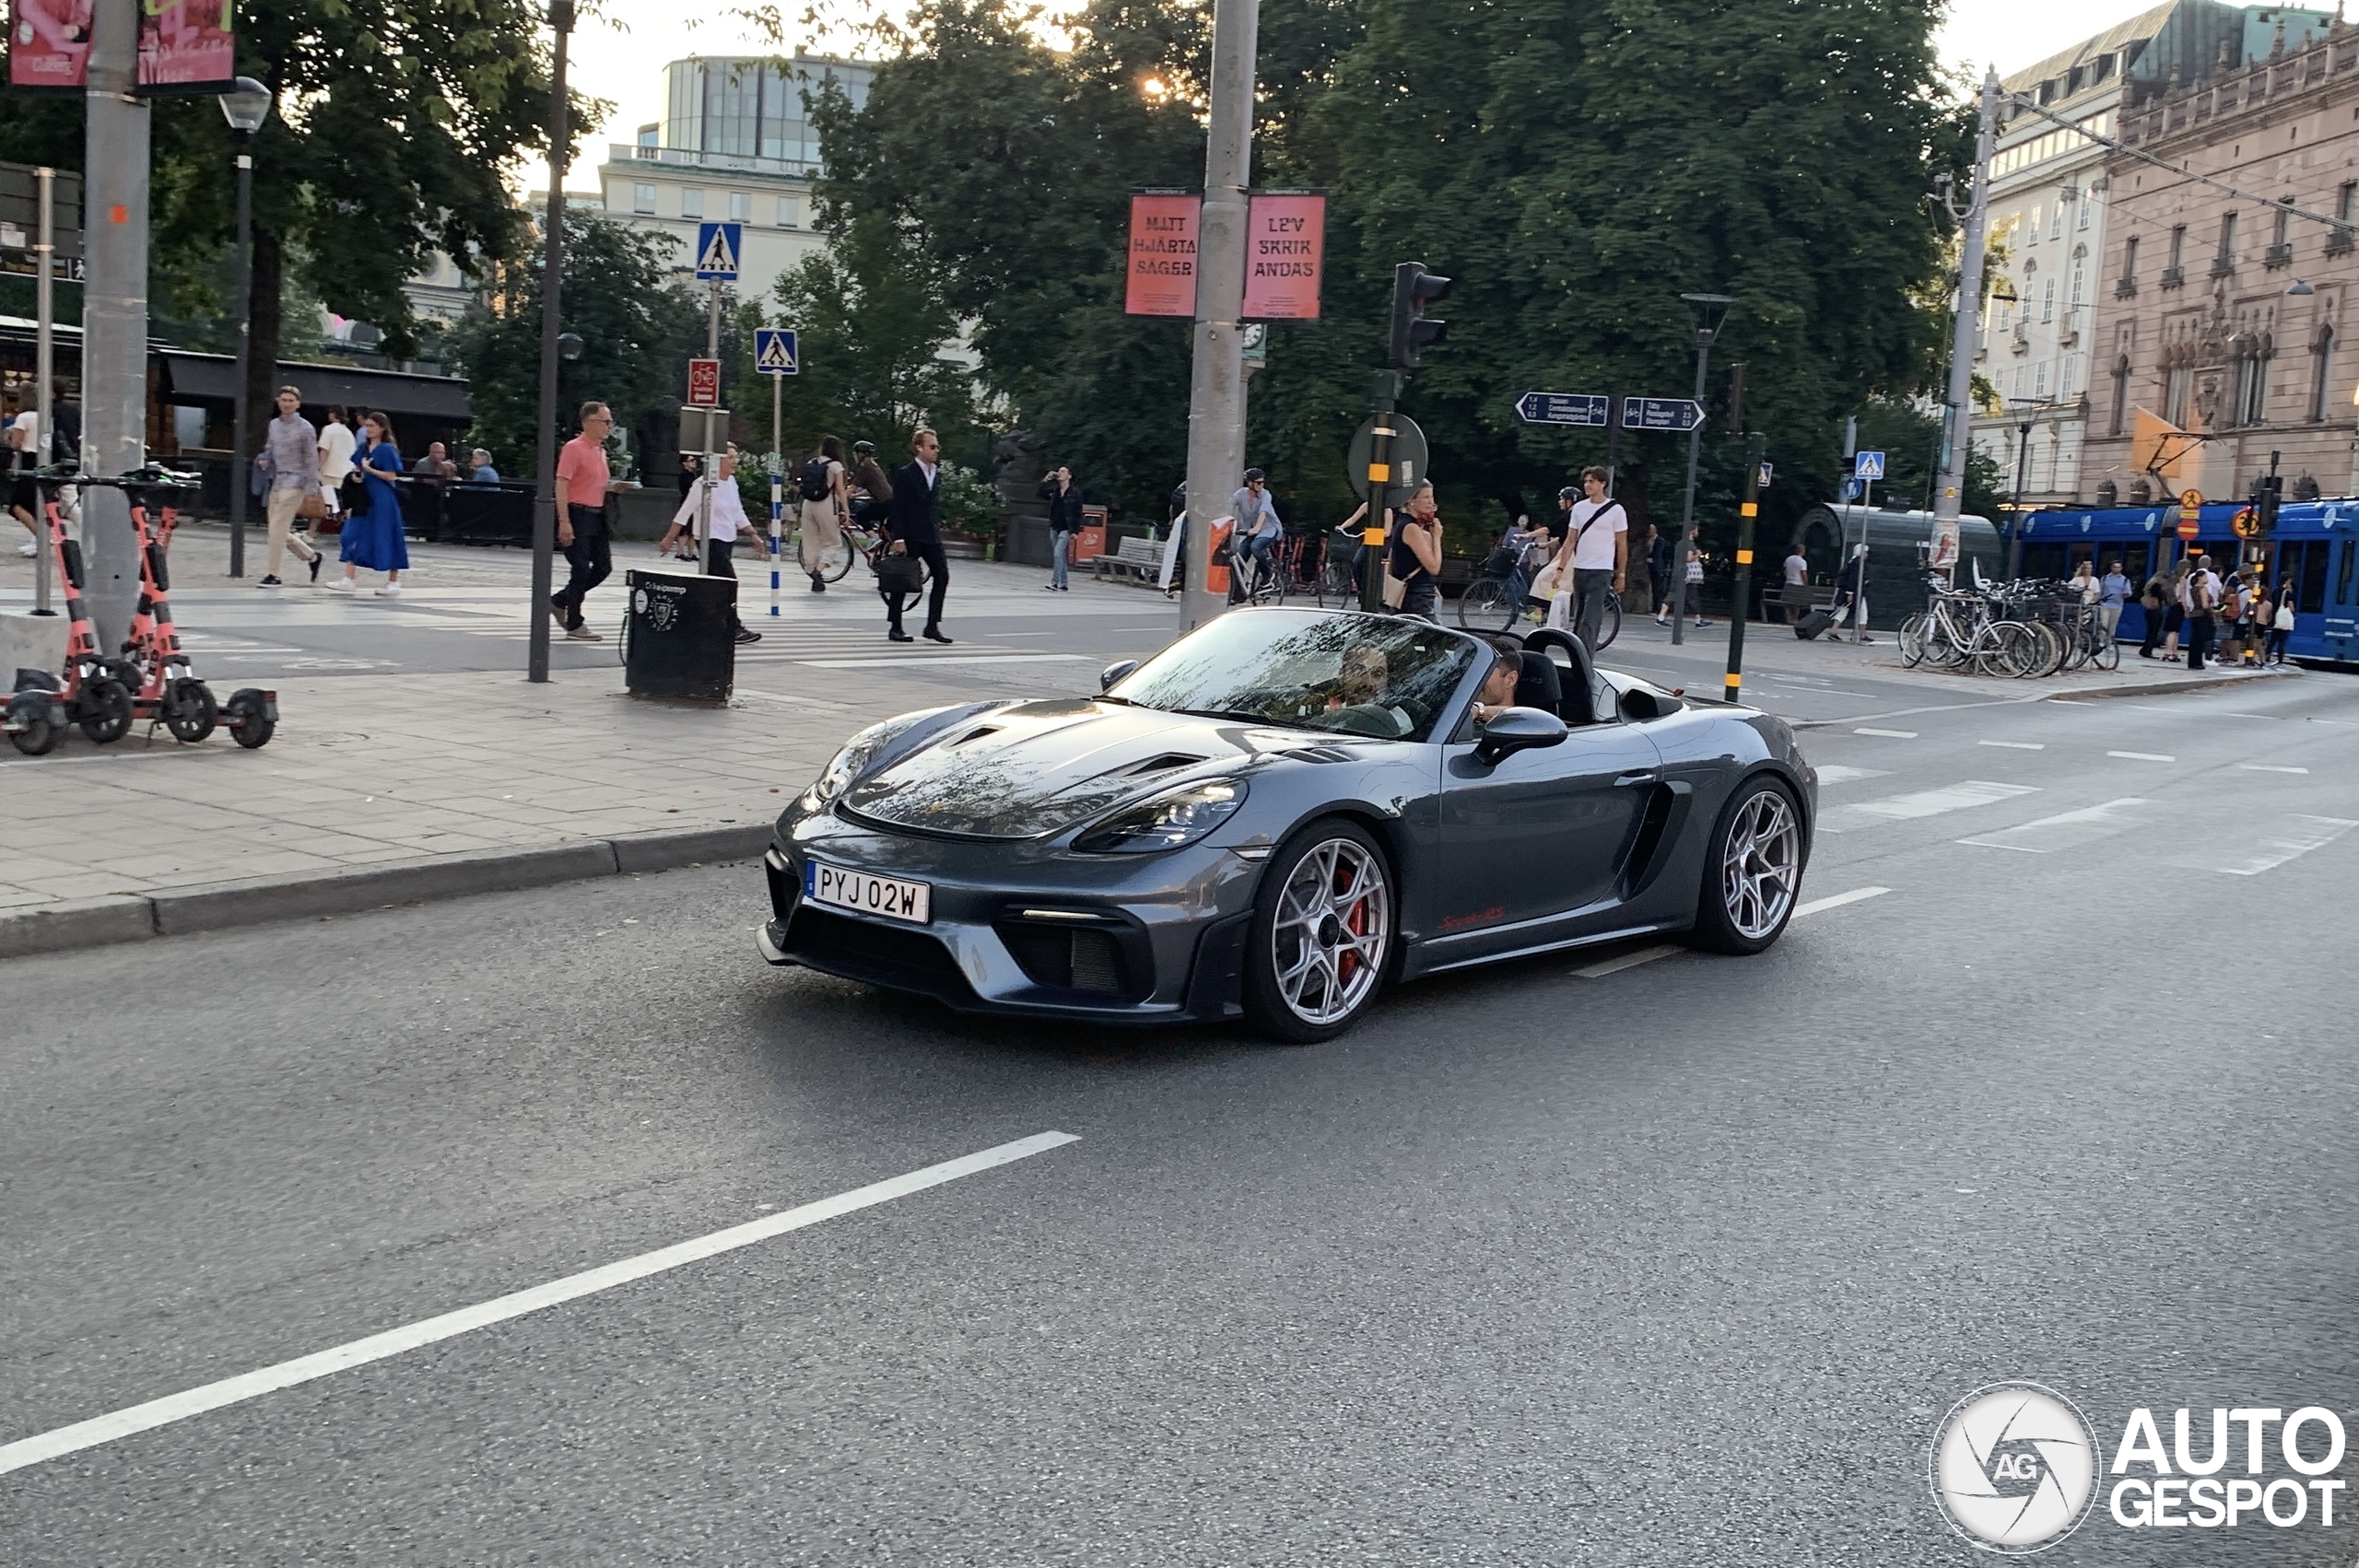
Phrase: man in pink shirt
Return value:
(583, 480)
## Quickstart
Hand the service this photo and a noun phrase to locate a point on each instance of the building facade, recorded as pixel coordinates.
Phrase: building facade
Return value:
(735, 145)
(2227, 315)
(2050, 200)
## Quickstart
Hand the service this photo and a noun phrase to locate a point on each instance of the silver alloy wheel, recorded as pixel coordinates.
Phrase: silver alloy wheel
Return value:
(1762, 866)
(1332, 930)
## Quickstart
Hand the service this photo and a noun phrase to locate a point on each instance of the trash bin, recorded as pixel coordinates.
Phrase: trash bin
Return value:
(677, 636)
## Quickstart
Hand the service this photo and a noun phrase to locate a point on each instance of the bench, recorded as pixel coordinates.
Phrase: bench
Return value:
(1139, 559)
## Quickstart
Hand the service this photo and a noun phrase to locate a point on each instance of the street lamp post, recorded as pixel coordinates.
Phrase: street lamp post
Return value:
(552, 286)
(2015, 506)
(1711, 310)
(245, 105)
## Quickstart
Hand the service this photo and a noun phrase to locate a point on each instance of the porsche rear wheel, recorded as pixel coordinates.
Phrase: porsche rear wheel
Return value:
(1322, 938)
(1752, 871)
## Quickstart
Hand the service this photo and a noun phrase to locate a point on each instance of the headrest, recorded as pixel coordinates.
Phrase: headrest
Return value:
(1536, 684)
(1574, 671)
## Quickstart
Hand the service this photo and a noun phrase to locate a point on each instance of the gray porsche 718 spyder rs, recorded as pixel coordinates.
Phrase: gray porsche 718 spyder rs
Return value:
(1277, 817)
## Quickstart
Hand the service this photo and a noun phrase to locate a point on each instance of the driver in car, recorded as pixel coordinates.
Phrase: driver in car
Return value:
(1357, 704)
(1498, 687)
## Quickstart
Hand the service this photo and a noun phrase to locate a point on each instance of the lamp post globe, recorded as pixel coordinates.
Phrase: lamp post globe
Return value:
(246, 105)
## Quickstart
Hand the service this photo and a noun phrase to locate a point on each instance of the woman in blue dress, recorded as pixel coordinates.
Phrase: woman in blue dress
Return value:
(372, 534)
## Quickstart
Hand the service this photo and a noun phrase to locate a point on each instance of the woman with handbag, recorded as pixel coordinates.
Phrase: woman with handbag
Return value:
(1413, 560)
(372, 533)
(2281, 629)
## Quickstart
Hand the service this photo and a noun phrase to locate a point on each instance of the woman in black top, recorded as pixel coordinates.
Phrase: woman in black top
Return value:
(1415, 555)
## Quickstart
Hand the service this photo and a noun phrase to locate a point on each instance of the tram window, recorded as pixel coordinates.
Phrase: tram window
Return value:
(2044, 560)
(2343, 583)
(2309, 576)
(2133, 563)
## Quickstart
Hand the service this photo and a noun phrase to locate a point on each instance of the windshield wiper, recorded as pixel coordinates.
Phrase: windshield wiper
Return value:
(1241, 716)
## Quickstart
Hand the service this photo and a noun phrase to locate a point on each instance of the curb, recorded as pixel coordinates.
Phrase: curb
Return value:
(2164, 688)
(121, 918)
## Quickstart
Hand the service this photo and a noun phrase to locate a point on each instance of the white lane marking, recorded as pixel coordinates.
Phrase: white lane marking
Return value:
(1603, 967)
(409, 1336)
(2269, 768)
(1836, 900)
(2066, 830)
(946, 657)
(2017, 745)
(1889, 734)
(1837, 773)
(2302, 834)
(2142, 756)
(1923, 804)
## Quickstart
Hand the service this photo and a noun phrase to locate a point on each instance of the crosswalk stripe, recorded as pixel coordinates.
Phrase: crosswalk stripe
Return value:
(2291, 838)
(2066, 830)
(1920, 804)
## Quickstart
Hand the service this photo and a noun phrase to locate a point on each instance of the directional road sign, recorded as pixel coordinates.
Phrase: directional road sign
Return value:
(1591, 409)
(1678, 413)
(718, 245)
(704, 383)
(1868, 465)
(774, 352)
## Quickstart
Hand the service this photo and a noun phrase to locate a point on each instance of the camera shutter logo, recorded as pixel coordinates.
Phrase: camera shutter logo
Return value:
(2014, 1467)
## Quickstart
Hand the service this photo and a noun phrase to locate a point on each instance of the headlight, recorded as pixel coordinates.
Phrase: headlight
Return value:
(1166, 822)
(853, 759)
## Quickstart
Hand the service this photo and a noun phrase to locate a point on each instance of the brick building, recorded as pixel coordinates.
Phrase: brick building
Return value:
(2231, 315)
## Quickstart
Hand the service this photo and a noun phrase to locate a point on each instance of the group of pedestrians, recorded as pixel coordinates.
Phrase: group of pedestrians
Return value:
(312, 476)
(23, 454)
(2230, 620)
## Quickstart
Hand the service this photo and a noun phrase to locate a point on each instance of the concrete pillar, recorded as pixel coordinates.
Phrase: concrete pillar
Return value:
(114, 313)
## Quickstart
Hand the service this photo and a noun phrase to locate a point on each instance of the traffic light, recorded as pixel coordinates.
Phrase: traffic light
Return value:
(2266, 493)
(1412, 289)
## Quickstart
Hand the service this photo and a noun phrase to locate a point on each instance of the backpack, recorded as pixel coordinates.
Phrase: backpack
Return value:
(813, 480)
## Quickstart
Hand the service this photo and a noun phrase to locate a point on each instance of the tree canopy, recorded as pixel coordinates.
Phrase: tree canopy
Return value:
(1574, 165)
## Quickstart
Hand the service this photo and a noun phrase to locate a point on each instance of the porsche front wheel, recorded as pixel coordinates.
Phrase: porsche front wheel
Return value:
(1322, 935)
(1752, 871)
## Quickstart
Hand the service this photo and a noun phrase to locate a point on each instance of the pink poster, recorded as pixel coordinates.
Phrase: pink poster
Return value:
(186, 46)
(1163, 255)
(1286, 239)
(49, 44)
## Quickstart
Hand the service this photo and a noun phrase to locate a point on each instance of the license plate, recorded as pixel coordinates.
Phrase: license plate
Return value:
(868, 893)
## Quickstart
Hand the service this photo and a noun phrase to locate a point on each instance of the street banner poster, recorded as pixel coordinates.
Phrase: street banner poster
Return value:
(49, 44)
(1286, 240)
(1163, 255)
(186, 46)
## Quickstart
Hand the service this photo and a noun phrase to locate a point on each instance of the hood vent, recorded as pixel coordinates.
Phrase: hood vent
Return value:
(975, 734)
(1163, 764)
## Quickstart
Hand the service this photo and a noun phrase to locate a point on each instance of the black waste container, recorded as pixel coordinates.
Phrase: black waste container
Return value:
(678, 641)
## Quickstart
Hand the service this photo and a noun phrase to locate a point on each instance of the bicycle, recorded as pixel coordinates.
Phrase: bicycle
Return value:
(1259, 580)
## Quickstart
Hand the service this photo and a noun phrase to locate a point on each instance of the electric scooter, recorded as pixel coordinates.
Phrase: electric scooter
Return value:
(154, 666)
(91, 695)
(164, 685)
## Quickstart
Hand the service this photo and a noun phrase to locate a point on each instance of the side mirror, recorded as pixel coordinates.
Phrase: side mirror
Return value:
(1115, 671)
(1519, 730)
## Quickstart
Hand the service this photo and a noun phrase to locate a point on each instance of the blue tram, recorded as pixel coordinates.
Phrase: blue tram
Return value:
(2315, 547)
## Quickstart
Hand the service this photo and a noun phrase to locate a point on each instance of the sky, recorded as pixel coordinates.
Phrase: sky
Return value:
(620, 53)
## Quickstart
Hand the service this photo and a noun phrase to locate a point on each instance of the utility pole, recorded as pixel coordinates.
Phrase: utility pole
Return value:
(552, 324)
(1217, 391)
(1712, 311)
(243, 418)
(1948, 496)
(44, 372)
(1756, 447)
(710, 467)
(114, 312)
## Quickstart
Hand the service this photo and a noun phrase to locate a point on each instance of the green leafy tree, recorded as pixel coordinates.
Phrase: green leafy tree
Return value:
(638, 327)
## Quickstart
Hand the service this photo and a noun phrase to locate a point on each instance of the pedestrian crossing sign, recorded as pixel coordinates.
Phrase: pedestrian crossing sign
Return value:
(774, 352)
(718, 247)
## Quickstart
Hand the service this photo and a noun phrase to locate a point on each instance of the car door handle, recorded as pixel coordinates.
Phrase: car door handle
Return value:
(1645, 776)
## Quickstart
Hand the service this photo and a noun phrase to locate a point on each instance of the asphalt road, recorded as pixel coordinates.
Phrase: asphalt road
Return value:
(1678, 1262)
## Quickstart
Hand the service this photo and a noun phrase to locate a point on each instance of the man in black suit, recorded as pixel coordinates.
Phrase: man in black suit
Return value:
(910, 526)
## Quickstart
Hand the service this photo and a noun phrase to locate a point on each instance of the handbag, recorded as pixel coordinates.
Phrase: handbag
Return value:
(900, 574)
(312, 507)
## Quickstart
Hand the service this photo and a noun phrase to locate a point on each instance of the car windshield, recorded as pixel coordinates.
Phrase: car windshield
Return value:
(1358, 674)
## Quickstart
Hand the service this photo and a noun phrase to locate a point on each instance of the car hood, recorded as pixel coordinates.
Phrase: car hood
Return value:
(1037, 768)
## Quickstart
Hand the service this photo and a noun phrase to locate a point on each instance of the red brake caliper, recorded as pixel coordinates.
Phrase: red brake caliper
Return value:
(1355, 923)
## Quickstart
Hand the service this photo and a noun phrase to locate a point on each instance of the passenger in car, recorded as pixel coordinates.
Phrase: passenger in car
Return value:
(1357, 702)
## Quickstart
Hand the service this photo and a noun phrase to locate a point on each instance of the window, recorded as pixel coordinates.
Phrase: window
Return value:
(2279, 237)
(2039, 380)
(691, 202)
(2342, 587)
(2081, 219)
(2055, 222)
(2129, 259)
(2176, 388)
(2178, 246)
(2322, 371)
(2252, 391)
(2069, 381)
(2048, 301)
(789, 211)
(2309, 593)
(2227, 256)
(2080, 279)
(740, 206)
(642, 198)
(2120, 395)
(2031, 235)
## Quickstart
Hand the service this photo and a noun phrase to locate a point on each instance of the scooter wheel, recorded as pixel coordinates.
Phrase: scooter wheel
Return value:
(250, 723)
(105, 710)
(30, 730)
(190, 712)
